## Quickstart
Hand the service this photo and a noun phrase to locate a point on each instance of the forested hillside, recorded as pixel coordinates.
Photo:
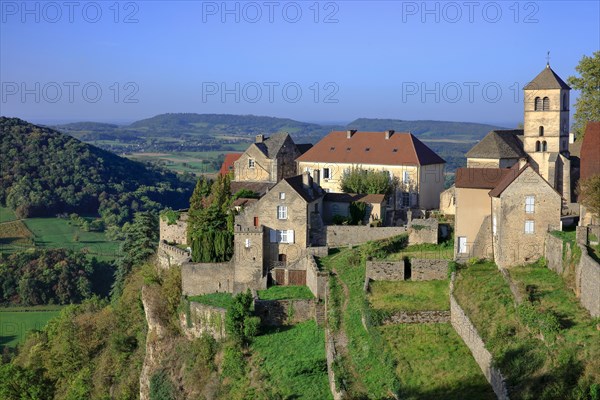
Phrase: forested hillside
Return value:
(44, 172)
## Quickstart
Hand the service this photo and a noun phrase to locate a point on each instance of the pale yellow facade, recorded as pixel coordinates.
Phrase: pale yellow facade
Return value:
(472, 206)
(425, 183)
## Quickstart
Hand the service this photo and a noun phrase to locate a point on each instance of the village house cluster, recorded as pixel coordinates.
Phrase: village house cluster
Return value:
(517, 185)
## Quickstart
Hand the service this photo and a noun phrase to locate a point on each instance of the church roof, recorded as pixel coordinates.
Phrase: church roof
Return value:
(547, 79)
(499, 144)
(481, 178)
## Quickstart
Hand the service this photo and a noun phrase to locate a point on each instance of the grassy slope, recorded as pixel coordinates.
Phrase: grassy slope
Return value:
(535, 369)
(222, 300)
(409, 296)
(294, 359)
(434, 363)
(16, 322)
(443, 251)
(285, 292)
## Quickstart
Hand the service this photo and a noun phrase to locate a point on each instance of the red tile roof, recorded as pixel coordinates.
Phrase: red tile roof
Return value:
(590, 151)
(371, 148)
(227, 165)
(481, 178)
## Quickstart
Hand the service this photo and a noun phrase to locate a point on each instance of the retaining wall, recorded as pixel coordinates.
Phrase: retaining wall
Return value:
(418, 317)
(423, 269)
(589, 282)
(423, 231)
(467, 331)
(344, 235)
(553, 251)
(284, 312)
(315, 280)
(385, 270)
(198, 279)
(204, 319)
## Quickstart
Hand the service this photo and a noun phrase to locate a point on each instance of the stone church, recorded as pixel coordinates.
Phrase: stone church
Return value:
(544, 139)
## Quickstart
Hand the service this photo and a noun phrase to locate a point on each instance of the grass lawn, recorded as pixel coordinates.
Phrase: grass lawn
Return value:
(294, 360)
(285, 292)
(535, 369)
(443, 251)
(434, 363)
(222, 300)
(409, 296)
(58, 232)
(7, 215)
(16, 322)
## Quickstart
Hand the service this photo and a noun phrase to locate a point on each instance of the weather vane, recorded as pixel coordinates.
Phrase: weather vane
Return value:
(548, 58)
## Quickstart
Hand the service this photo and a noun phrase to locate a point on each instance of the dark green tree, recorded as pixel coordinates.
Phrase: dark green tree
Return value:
(240, 323)
(366, 181)
(588, 83)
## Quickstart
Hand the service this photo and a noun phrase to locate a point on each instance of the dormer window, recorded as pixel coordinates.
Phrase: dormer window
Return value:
(348, 148)
(546, 104)
(368, 149)
(331, 148)
(251, 163)
(394, 150)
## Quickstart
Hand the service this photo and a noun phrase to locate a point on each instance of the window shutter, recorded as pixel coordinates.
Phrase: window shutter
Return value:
(290, 235)
(273, 236)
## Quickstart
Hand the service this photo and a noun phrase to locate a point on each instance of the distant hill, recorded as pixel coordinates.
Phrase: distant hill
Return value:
(49, 172)
(433, 130)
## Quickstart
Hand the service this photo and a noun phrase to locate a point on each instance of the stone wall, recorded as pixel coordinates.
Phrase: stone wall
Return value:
(589, 283)
(319, 251)
(467, 331)
(169, 256)
(204, 319)
(284, 312)
(344, 235)
(331, 355)
(418, 317)
(198, 279)
(176, 233)
(428, 269)
(423, 231)
(385, 270)
(315, 280)
(553, 251)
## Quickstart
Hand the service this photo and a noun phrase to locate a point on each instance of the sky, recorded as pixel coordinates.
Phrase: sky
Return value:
(328, 62)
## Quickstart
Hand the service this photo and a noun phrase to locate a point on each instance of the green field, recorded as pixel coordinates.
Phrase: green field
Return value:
(223, 300)
(16, 322)
(434, 363)
(285, 292)
(293, 358)
(409, 296)
(6, 215)
(55, 233)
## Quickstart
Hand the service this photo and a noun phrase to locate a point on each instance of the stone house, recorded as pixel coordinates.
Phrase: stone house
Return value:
(504, 213)
(268, 159)
(290, 213)
(589, 166)
(419, 169)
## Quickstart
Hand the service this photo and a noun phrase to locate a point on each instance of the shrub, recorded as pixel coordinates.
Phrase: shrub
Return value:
(234, 364)
(240, 325)
(161, 387)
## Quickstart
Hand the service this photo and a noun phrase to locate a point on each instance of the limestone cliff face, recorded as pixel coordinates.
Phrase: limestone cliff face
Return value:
(155, 344)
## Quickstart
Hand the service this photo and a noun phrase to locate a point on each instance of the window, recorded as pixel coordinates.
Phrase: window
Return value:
(405, 177)
(541, 131)
(281, 212)
(368, 149)
(281, 236)
(394, 150)
(251, 163)
(326, 173)
(331, 148)
(546, 104)
(537, 146)
(247, 243)
(530, 204)
(405, 199)
(255, 221)
(462, 244)
(538, 104)
(544, 146)
(281, 195)
(529, 227)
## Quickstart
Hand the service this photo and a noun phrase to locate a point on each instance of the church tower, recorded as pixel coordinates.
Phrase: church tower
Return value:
(546, 129)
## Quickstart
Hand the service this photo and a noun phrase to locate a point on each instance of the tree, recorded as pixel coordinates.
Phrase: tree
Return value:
(17, 383)
(240, 325)
(589, 194)
(364, 181)
(588, 103)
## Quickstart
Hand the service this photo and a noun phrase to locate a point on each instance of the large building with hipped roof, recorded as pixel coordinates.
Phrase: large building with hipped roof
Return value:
(419, 169)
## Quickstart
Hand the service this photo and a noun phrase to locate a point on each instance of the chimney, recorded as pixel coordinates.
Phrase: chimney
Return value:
(260, 138)
(317, 176)
(349, 133)
(306, 180)
(388, 134)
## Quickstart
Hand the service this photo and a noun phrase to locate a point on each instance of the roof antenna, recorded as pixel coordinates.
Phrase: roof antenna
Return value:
(548, 59)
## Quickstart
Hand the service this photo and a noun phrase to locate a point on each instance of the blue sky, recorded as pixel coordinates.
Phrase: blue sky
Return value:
(306, 60)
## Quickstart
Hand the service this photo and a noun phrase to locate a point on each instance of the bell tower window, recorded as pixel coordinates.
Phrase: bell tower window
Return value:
(541, 131)
(537, 104)
(546, 104)
(544, 146)
(537, 146)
